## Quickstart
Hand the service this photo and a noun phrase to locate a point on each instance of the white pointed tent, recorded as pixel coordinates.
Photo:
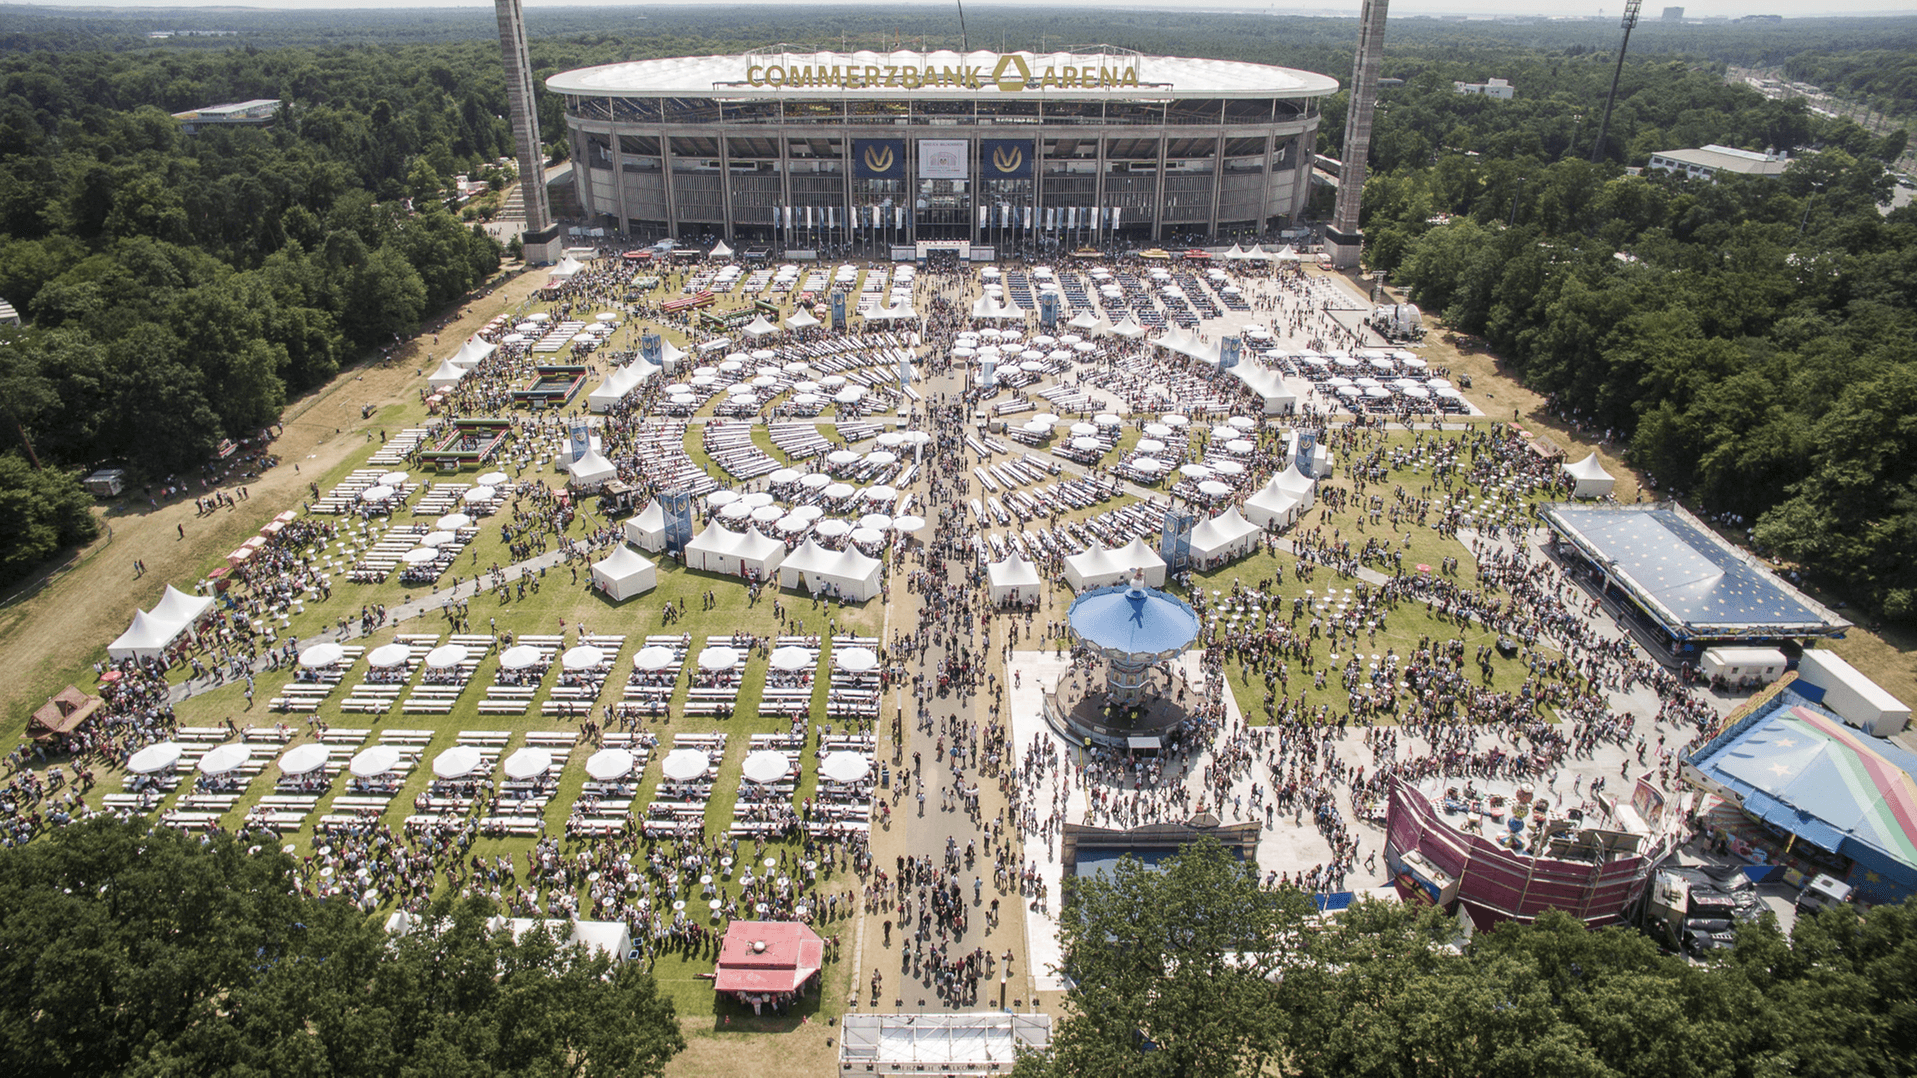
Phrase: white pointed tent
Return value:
(566, 268)
(1270, 388)
(759, 327)
(472, 352)
(1279, 503)
(1223, 537)
(1091, 567)
(1591, 478)
(1084, 321)
(176, 606)
(1097, 566)
(721, 550)
(1236, 254)
(624, 574)
(988, 308)
(591, 471)
(1178, 339)
(801, 320)
(647, 530)
(816, 570)
(1136, 555)
(720, 250)
(146, 638)
(1013, 580)
(619, 382)
(447, 376)
(670, 354)
(1129, 328)
(898, 312)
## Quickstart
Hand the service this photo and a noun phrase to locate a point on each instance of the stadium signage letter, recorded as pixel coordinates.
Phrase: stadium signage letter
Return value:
(1010, 75)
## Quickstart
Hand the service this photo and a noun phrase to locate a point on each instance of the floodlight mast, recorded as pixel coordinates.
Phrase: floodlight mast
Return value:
(1631, 8)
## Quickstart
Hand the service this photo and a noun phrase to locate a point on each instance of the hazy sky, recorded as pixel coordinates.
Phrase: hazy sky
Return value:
(1608, 8)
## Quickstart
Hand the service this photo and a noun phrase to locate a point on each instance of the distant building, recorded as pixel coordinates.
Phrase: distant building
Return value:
(1497, 88)
(255, 113)
(1707, 162)
(1673, 14)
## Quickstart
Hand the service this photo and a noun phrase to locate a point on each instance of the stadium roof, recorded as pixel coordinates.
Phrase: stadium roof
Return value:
(1687, 577)
(998, 75)
(1800, 769)
(1727, 159)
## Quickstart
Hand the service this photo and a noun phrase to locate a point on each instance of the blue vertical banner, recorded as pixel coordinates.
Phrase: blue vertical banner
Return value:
(1307, 448)
(652, 348)
(838, 311)
(878, 159)
(1229, 349)
(581, 437)
(1006, 159)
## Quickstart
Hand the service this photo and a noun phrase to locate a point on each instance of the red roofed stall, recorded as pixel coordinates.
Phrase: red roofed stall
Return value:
(764, 962)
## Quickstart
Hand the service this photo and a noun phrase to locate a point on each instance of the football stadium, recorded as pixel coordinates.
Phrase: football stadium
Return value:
(1009, 150)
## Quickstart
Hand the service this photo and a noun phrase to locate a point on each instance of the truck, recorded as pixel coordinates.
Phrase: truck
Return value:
(1823, 893)
(1695, 910)
(105, 483)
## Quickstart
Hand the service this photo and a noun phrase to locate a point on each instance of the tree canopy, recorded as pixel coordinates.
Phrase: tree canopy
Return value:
(135, 950)
(1194, 970)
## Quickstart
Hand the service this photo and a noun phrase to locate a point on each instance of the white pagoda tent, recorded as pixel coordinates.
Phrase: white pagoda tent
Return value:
(719, 250)
(624, 574)
(759, 328)
(619, 382)
(816, 570)
(591, 471)
(1013, 580)
(447, 375)
(1270, 388)
(1224, 537)
(1591, 478)
(991, 309)
(1280, 502)
(1129, 328)
(565, 269)
(176, 606)
(718, 549)
(801, 319)
(472, 352)
(1084, 322)
(147, 638)
(647, 529)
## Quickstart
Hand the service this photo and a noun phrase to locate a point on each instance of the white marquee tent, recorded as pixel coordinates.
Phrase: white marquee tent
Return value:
(1279, 503)
(1129, 328)
(1013, 580)
(988, 308)
(177, 606)
(647, 529)
(1223, 537)
(146, 638)
(801, 320)
(1591, 478)
(1270, 388)
(619, 382)
(591, 471)
(1097, 566)
(566, 268)
(624, 574)
(720, 550)
(447, 376)
(814, 569)
(472, 352)
(759, 327)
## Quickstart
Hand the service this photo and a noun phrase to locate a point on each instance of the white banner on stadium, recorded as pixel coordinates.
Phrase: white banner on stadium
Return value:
(943, 159)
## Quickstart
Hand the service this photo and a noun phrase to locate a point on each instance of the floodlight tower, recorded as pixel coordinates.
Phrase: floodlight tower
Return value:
(1343, 239)
(1630, 20)
(541, 238)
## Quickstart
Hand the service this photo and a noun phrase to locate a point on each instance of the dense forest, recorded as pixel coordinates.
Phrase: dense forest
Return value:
(130, 949)
(1747, 340)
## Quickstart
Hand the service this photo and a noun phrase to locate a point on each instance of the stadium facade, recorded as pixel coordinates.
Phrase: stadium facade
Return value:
(807, 148)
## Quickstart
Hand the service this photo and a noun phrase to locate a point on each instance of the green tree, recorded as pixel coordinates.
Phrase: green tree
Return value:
(1172, 968)
(136, 950)
(41, 510)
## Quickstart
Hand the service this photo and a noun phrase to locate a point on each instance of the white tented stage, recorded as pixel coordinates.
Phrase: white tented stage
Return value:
(939, 1045)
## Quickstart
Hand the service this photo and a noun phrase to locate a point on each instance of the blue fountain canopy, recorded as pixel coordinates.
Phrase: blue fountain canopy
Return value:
(1135, 622)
